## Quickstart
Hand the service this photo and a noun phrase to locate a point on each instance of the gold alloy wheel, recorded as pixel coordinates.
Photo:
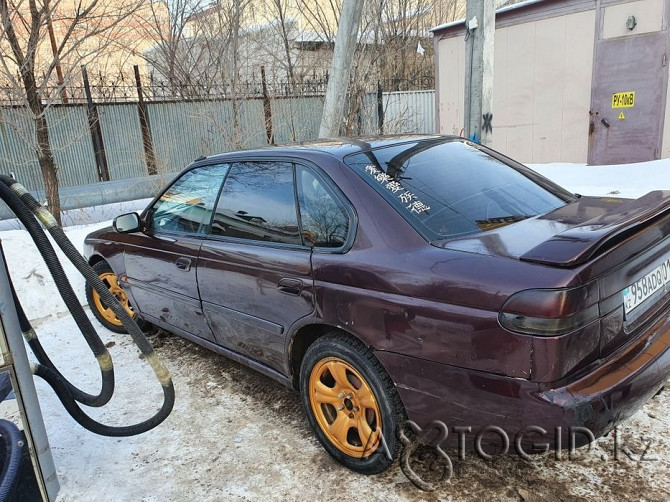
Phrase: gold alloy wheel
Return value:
(345, 407)
(110, 280)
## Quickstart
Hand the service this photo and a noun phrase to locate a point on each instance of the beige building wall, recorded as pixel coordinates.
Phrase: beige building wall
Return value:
(648, 17)
(542, 88)
(450, 56)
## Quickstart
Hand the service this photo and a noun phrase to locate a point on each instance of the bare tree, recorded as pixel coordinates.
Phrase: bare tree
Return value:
(234, 15)
(322, 17)
(279, 8)
(86, 29)
(394, 44)
(173, 57)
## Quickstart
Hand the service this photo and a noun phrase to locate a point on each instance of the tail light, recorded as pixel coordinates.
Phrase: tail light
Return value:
(550, 312)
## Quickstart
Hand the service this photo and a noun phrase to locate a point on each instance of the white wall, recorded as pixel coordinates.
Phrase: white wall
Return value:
(451, 81)
(648, 17)
(542, 88)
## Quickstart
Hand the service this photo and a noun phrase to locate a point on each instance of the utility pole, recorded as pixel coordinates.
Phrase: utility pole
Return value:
(479, 45)
(340, 69)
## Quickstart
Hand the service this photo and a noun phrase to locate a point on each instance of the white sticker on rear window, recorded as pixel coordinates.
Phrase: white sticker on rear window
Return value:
(395, 187)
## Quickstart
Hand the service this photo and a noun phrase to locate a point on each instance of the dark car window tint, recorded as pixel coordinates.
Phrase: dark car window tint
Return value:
(325, 222)
(447, 188)
(258, 202)
(188, 204)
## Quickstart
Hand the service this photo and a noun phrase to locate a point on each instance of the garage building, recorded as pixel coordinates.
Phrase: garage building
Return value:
(574, 80)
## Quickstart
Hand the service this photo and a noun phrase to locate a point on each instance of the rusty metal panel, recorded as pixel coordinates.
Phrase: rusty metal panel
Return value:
(122, 137)
(624, 130)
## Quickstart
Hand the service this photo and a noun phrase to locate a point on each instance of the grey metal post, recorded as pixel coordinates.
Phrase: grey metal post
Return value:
(340, 69)
(14, 353)
(479, 48)
(267, 109)
(96, 132)
(380, 108)
(147, 139)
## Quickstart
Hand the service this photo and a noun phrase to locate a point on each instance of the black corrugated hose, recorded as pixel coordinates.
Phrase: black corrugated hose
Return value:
(69, 297)
(12, 446)
(28, 210)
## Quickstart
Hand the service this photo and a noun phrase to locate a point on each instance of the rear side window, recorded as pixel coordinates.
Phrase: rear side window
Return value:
(325, 222)
(447, 188)
(258, 203)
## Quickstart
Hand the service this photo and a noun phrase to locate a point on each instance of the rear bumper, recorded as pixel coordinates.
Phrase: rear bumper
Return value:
(462, 398)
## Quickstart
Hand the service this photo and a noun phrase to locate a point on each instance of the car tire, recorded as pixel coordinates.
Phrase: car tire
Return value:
(101, 311)
(348, 397)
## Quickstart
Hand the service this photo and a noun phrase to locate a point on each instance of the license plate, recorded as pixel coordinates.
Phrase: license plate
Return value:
(656, 280)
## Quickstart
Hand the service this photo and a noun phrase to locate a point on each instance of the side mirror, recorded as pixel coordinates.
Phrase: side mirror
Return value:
(127, 223)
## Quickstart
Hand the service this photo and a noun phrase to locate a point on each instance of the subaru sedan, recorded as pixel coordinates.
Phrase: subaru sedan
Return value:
(399, 280)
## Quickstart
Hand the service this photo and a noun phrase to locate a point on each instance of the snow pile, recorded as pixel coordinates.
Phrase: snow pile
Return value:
(88, 215)
(625, 180)
(34, 285)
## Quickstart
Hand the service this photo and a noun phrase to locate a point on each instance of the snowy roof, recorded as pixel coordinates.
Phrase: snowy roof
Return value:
(312, 36)
(501, 6)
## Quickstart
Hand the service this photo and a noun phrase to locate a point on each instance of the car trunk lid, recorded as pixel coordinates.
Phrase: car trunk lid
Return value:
(619, 251)
(572, 234)
(585, 240)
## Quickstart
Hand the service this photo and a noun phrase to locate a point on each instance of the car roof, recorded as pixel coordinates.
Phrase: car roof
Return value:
(337, 147)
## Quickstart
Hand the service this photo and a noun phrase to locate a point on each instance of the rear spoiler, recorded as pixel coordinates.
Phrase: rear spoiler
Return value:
(595, 236)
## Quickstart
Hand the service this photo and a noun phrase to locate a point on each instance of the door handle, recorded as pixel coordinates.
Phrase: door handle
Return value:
(183, 264)
(290, 286)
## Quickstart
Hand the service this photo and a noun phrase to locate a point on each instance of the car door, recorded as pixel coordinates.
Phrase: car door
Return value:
(254, 270)
(161, 261)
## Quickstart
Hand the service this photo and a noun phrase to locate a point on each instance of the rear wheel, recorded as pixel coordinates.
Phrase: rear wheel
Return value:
(101, 311)
(351, 403)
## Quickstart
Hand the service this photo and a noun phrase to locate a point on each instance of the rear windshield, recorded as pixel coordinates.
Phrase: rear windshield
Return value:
(447, 187)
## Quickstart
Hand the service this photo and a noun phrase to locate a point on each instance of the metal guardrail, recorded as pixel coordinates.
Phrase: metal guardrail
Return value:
(98, 194)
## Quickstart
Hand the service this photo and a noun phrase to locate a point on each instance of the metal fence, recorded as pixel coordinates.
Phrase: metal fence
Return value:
(124, 87)
(182, 131)
(70, 140)
(409, 112)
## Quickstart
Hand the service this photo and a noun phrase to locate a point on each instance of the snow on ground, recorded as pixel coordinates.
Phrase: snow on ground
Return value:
(235, 434)
(624, 180)
(87, 215)
(30, 275)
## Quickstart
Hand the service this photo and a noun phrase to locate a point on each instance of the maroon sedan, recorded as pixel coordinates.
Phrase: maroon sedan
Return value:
(421, 278)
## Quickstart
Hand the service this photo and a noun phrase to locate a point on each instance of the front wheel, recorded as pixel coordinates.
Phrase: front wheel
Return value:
(351, 403)
(101, 311)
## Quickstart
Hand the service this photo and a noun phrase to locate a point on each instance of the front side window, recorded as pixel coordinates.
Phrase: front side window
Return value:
(186, 207)
(258, 203)
(448, 188)
(325, 222)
